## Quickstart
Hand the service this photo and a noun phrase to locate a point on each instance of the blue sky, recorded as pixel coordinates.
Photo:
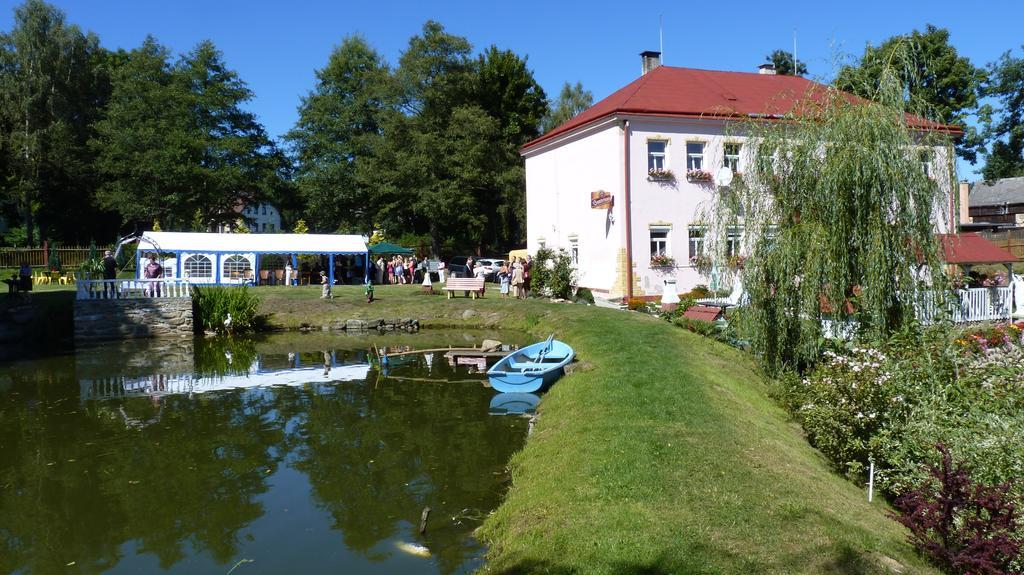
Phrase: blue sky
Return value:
(277, 46)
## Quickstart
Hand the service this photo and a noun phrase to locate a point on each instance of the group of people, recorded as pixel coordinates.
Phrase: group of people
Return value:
(515, 276)
(396, 270)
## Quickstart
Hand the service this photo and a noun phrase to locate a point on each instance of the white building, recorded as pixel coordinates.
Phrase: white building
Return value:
(593, 185)
(259, 218)
(262, 217)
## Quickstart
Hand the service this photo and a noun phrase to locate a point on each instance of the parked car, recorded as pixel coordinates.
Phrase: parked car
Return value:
(457, 267)
(492, 265)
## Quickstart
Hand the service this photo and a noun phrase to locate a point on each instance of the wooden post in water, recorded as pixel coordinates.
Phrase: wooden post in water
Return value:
(423, 520)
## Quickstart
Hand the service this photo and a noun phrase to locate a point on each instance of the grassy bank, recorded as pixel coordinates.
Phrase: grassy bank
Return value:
(662, 454)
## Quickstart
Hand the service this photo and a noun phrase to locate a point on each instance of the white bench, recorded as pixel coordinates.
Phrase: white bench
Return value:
(469, 285)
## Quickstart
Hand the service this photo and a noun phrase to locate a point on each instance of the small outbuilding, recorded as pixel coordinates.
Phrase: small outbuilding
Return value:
(211, 258)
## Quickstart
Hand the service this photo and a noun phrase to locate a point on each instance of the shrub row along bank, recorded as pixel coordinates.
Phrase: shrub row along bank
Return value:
(894, 403)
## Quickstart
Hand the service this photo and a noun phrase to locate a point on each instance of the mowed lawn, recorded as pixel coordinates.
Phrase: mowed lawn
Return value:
(661, 453)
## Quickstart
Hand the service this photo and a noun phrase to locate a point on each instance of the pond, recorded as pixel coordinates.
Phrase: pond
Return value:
(284, 453)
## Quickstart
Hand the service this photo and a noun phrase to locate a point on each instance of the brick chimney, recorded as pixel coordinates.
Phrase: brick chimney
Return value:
(649, 60)
(767, 69)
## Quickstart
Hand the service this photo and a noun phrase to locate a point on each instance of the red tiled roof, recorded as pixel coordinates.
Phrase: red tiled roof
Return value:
(691, 93)
(703, 313)
(970, 248)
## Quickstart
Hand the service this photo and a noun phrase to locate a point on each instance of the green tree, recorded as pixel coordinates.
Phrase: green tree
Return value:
(784, 63)
(508, 92)
(51, 85)
(939, 82)
(414, 169)
(339, 122)
(175, 141)
(831, 234)
(1005, 158)
(571, 101)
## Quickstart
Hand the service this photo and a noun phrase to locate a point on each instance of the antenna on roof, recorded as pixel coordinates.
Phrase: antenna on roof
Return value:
(661, 37)
(796, 72)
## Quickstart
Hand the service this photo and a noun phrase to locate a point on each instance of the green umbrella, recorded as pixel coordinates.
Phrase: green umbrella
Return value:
(389, 248)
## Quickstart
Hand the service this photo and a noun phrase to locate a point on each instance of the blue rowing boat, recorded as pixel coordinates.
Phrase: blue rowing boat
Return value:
(531, 368)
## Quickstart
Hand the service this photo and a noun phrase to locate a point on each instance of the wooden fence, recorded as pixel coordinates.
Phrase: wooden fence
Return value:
(1011, 240)
(69, 256)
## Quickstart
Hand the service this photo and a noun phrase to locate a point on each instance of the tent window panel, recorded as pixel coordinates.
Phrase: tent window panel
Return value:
(236, 266)
(198, 266)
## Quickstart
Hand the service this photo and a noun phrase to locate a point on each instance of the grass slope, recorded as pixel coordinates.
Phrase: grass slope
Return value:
(664, 454)
(668, 456)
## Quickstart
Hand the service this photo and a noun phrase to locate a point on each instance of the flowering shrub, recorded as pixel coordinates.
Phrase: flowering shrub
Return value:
(662, 261)
(699, 176)
(844, 402)
(979, 340)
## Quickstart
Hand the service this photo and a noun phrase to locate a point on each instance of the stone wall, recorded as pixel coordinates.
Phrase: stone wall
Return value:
(400, 324)
(130, 318)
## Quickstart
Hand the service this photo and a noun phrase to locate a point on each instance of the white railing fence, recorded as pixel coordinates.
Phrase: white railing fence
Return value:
(133, 289)
(969, 305)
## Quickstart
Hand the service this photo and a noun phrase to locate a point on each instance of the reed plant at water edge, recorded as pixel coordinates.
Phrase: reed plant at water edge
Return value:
(225, 309)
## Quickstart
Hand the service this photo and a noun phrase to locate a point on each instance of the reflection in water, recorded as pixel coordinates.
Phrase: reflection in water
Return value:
(189, 459)
(514, 403)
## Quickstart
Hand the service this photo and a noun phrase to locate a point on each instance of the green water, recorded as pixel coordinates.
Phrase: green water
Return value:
(193, 456)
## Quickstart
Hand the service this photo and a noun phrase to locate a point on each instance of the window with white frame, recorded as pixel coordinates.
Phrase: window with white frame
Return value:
(694, 156)
(733, 242)
(656, 155)
(659, 241)
(236, 266)
(198, 266)
(732, 157)
(574, 250)
(695, 237)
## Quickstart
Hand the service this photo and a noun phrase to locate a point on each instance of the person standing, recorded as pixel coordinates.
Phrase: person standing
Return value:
(288, 272)
(504, 280)
(153, 271)
(325, 286)
(380, 269)
(526, 276)
(25, 278)
(517, 279)
(109, 274)
(440, 270)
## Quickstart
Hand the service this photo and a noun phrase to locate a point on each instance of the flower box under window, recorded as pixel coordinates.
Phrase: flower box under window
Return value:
(699, 176)
(664, 175)
(662, 261)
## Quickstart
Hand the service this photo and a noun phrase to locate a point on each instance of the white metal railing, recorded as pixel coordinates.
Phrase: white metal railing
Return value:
(133, 289)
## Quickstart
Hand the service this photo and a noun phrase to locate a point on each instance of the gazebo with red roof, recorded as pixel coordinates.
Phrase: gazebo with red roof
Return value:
(968, 249)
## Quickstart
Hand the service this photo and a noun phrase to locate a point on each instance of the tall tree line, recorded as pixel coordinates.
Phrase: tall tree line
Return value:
(93, 141)
(427, 150)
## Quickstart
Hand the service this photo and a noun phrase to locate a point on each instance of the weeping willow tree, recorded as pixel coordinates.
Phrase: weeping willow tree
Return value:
(838, 215)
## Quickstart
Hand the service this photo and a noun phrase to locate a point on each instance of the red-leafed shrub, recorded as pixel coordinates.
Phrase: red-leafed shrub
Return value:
(966, 527)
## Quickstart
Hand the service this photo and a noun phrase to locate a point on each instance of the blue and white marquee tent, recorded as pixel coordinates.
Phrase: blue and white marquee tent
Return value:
(210, 258)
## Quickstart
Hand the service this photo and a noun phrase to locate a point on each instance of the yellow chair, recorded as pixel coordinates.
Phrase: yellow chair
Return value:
(68, 279)
(42, 278)
(55, 278)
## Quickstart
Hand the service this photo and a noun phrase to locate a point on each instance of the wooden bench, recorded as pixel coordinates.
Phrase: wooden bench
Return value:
(469, 285)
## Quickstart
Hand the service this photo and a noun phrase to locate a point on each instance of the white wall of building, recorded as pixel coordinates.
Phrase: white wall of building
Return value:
(559, 180)
(561, 175)
(264, 218)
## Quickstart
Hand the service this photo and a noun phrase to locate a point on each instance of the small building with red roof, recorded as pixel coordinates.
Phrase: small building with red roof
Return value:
(620, 185)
